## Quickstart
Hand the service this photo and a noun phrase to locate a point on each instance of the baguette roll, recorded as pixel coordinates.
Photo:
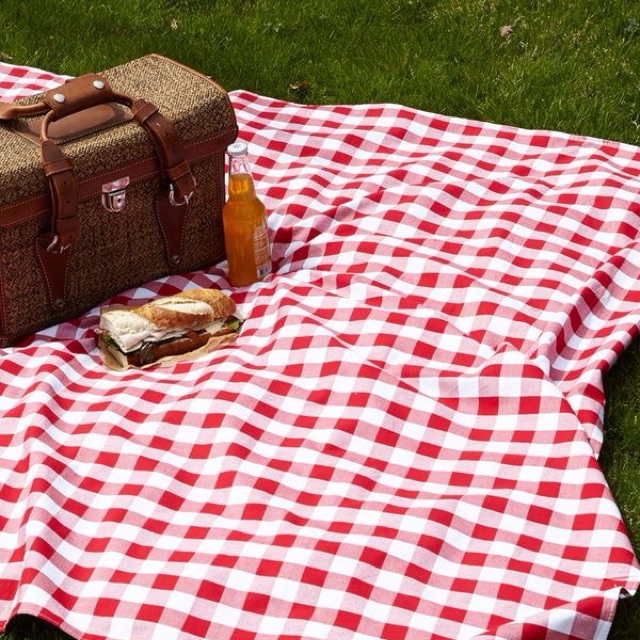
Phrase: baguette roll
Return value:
(166, 329)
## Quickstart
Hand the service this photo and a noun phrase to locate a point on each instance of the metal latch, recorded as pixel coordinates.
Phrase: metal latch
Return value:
(114, 194)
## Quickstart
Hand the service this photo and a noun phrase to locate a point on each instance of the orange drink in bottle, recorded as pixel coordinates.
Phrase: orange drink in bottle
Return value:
(246, 235)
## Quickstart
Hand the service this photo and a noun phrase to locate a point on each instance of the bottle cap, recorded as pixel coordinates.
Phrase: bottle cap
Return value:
(237, 149)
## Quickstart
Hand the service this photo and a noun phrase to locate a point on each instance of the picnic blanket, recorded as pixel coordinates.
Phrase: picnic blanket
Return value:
(402, 443)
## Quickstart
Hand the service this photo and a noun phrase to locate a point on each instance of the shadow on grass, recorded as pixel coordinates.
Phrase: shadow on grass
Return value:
(25, 627)
(627, 620)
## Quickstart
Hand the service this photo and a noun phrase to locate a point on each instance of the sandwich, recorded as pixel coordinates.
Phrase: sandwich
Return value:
(167, 329)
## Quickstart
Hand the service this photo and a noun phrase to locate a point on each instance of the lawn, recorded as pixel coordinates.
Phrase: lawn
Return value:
(537, 64)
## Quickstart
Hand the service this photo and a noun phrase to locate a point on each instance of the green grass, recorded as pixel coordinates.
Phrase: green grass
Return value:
(564, 67)
(569, 66)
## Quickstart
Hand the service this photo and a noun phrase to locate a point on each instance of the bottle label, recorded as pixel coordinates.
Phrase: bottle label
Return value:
(261, 250)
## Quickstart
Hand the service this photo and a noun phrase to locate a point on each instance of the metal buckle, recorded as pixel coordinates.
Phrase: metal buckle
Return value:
(114, 194)
(172, 196)
(55, 247)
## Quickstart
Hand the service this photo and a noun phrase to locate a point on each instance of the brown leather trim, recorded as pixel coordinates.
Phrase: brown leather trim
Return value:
(54, 268)
(10, 110)
(74, 126)
(64, 195)
(170, 219)
(78, 94)
(34, 207)
(168, 147)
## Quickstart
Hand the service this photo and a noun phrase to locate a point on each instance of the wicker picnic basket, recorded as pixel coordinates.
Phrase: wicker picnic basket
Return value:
(107, 182)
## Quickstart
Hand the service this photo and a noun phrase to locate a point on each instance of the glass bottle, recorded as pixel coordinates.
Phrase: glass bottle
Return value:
(246, 235)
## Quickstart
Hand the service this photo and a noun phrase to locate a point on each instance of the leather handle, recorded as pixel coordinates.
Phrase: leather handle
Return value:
(74, 95)
(11, 111)
(78, 94)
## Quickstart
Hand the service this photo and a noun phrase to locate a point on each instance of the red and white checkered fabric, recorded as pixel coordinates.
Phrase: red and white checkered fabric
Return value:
(402, 442)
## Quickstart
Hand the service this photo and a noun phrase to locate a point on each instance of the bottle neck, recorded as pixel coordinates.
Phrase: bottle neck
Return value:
(239, 164)
(241, 186)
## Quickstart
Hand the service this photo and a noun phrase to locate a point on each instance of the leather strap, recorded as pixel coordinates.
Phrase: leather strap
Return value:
(54, 267)
(52, 247)
(170, 219)
(169, 149)
(34, 206)
(64, 197)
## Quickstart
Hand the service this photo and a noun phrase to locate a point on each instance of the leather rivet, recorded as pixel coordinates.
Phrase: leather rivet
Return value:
(58, 303)
(59, 97)
(175, 259)
(98, 84)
